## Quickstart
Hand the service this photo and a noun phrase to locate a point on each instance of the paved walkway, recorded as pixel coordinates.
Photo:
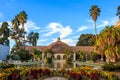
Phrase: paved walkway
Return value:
(55, 78)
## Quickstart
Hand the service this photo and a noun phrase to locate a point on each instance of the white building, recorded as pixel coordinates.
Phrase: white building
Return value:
(4, 51)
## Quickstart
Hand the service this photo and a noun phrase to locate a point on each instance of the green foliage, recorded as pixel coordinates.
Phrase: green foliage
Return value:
(32, 38)
(86, 40)
(69, 60)
(94, 56)
(37, 54)
(94, 12)
(118, 11)
(4, 34)
(49, 60)
(111, 67)
(17, 32)
(25, 55)
(108, 43)
(15, 57)
(81, 55)
(5, 65)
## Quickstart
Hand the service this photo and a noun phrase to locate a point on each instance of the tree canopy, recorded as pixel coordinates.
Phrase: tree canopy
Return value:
(32, 38)
(86, 40)
(108, 43)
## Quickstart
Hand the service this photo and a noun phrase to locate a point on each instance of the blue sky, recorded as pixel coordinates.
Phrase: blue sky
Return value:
(67, 19)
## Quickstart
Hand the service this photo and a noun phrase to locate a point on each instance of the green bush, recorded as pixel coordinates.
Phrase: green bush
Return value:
(118, 67)
(94, 56)
(110, 67)
(48, 60)
(5, 65)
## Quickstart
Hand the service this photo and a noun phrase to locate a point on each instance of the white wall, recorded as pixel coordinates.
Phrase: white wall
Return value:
(4, 51)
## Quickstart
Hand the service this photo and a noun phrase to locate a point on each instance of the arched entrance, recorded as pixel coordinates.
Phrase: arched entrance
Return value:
(64, 57)
(58, 57)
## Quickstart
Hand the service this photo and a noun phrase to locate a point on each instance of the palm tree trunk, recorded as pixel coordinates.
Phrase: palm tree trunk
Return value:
(95, 29)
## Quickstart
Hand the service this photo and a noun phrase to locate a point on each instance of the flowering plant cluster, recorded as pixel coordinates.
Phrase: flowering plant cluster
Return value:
(79, 73)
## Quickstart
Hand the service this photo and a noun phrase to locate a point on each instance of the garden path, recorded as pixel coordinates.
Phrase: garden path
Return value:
(55, 78)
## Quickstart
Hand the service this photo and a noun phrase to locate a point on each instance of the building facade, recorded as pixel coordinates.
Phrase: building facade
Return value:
(59, 50)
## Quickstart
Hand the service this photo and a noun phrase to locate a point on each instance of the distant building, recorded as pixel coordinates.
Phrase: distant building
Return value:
(4, 51)
(58, 48)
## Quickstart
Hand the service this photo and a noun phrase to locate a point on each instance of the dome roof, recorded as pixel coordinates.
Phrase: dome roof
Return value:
(58, 46)
(118, 24)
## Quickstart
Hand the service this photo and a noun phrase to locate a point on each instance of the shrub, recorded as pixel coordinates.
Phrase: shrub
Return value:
(4, 65)
(111, 67)
(94, 56)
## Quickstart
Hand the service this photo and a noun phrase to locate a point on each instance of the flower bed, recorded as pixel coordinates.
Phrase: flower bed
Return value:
(80, 73)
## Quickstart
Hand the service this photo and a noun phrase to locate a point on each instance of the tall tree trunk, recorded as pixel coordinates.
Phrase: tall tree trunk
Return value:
(95, 30)
(24, 34)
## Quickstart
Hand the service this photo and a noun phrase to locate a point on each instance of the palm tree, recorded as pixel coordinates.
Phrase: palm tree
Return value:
(95, 12)
(32, 38)
(36, 37)
(22, 17)
(18, 33)
(118, 12)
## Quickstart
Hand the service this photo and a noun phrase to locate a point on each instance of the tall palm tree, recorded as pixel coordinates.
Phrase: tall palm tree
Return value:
(18, 33)
(94, 13)
(118, 12)
(22, 17)
(15, 23)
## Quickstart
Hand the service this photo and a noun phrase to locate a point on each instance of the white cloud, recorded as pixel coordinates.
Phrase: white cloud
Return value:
(41, 40)
(70, 42)
(104, 23)
(82, 28)
(114, 20)
(54, 27)
(31, 26)
(76, 36)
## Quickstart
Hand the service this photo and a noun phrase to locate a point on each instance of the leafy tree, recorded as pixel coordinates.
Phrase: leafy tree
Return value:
(118, 12)
(94, 13)
(86, 40)
(24, 55)
(32, 38)
(108, 43)
(4, 34)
